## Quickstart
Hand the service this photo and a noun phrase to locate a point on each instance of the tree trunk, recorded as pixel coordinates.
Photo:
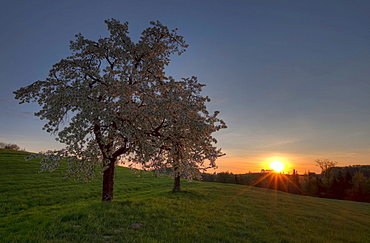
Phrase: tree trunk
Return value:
(176, 185)
(108, 182)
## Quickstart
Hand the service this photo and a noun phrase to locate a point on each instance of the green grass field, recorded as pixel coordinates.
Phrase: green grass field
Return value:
(47, 208)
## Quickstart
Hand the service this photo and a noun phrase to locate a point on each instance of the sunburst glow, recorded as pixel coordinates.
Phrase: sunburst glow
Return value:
(277, 166)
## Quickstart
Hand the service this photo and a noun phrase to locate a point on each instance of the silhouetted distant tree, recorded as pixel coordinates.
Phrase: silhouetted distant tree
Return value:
(325, 164)
(11, 146)
(327, 178)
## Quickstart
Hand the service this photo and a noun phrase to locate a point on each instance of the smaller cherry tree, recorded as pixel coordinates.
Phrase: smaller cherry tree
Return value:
(184, 143)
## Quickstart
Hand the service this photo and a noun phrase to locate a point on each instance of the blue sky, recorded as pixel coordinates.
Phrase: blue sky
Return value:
(291, 78)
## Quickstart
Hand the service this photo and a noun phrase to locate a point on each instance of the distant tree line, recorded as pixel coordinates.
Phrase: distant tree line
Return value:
(9, 146)
(348, 183)
(345, 183)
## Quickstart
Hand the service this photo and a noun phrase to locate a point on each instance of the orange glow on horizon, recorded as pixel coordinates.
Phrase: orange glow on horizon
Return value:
(254, 164)
(240, 162)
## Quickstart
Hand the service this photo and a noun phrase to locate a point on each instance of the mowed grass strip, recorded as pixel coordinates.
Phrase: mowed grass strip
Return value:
(45, 207)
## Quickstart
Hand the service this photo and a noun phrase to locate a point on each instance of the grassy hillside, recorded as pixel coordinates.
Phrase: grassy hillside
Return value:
(45, 207)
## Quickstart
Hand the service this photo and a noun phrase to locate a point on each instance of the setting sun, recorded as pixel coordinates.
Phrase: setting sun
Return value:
(277, 166)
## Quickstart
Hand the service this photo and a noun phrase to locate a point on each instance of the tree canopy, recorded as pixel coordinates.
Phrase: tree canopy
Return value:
(111, 100)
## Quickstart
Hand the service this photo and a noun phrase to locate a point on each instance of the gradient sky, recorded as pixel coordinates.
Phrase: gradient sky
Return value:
(291, 78)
